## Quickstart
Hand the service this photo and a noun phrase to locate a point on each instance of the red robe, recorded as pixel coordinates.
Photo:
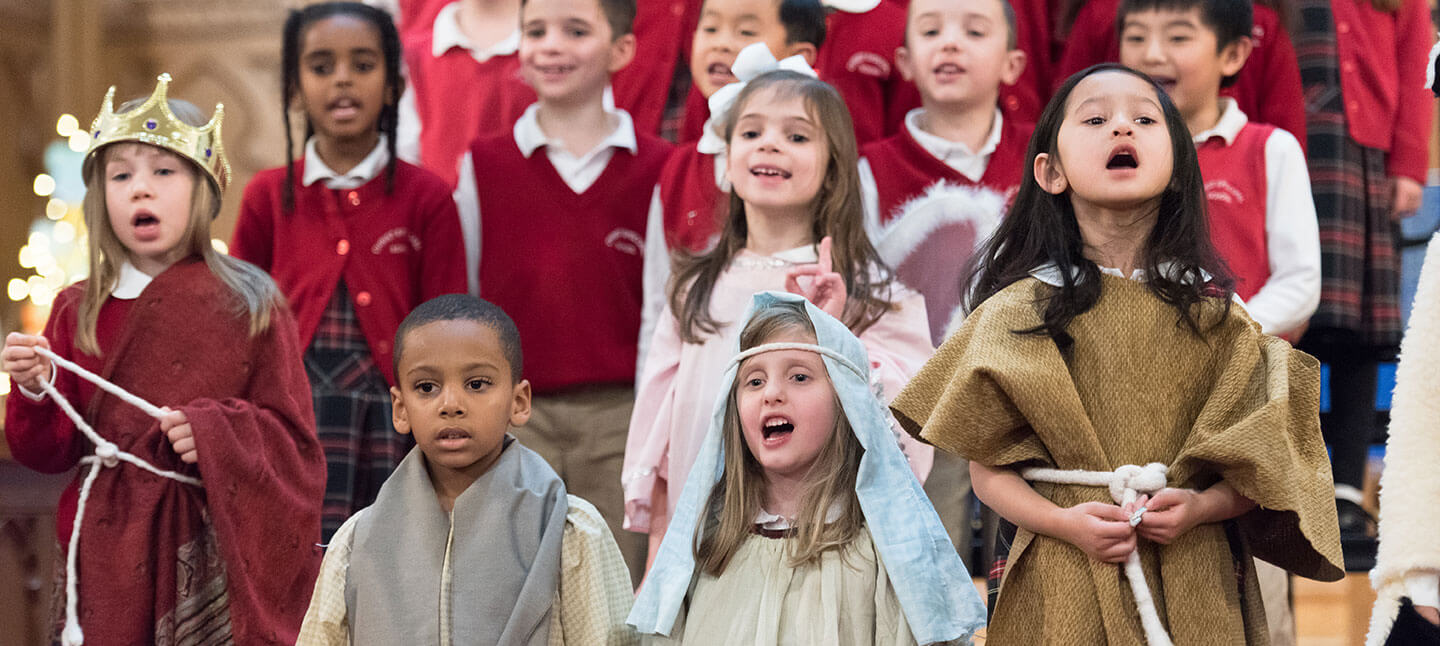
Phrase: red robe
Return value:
(161, 561)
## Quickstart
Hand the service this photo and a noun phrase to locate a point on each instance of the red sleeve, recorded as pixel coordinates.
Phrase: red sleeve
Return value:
(39, 434)
(254, 237)
(1283, 105)
(443, 260)
(1409, 146)
(1091, 39)
(264, 475)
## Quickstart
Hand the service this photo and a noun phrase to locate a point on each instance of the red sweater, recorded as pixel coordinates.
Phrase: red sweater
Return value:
(903, 169)
(1267, 87)
(1236, 192)
(1383, 57)
(566, 267)
(394, 251)
(694, 209)
(858, 58)
(459, 99)
(663, 29)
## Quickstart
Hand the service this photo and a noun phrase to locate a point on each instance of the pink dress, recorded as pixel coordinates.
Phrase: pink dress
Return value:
(676, 394)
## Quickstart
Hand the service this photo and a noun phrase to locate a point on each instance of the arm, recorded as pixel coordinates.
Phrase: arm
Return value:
(326, 621)
(1283, 101)
(407, 127)
(1100, 530)
(254, 237)
(595, 593)
(647, 445)
(654, 277)
(467, 203)
(39, 434)
(898, 345)
(442, 258)
(1409, 149)
(1292, 292)
(870, 200)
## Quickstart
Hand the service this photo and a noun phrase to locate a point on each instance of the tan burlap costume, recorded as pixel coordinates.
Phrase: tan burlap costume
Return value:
(1138, 387)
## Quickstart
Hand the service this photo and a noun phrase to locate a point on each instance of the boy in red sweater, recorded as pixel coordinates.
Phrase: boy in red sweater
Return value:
(553, 212)
(465, 82)
(1261, 214)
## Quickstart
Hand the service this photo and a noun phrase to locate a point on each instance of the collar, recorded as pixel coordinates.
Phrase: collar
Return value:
(130, 282)
(1232, 120)
(529, 136)
(447, 35)
(368, 168)
(944, 148)
(773, 522)
(1049, 273)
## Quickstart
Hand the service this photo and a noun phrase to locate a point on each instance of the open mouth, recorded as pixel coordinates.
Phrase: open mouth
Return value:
(344, 107)
(555, 70)
(776, 427)
(1123, 157)
(144, 219)
(452, 434)
(770, 171)
(948, 69)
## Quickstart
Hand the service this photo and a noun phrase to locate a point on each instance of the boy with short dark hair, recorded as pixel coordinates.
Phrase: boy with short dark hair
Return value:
(553, 214)
(473, 539)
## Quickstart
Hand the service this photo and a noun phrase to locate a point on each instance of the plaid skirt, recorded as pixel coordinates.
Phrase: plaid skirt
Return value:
(1359, 238)
(352, 414)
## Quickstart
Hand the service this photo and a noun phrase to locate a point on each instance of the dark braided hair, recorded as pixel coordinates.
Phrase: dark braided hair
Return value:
(294, 32)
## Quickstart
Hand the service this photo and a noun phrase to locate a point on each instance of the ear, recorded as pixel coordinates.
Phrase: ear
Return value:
(393, 96)
(1049, 175)
(1234, 55)
(807, 51)
(622, 51)
(398, 415)
(1013, 66)
(905, 64)
(520, 406)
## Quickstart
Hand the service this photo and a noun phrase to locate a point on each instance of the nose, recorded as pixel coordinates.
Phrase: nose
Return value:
(451, 404)
(1153, 52)
(140, 187)
(1123, 127)
(774, 391)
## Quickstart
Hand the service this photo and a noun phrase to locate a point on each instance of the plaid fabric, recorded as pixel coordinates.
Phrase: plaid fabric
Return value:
(1360, 262)
(1004, 536)
(674, 116)
(352, 414)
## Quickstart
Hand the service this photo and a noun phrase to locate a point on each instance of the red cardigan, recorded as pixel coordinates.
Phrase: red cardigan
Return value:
(1383, 57)
(394, 251)
(1267, 88)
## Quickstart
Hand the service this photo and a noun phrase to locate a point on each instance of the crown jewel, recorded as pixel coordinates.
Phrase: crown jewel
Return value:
(153, 123)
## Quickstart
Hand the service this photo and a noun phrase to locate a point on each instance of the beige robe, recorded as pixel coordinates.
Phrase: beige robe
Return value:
(1138, 387)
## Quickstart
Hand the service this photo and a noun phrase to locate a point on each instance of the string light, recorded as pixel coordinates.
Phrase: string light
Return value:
(56, 208)
(18, 289)
(67, 125)
(220, 245)
(79, 141)
(44, 185)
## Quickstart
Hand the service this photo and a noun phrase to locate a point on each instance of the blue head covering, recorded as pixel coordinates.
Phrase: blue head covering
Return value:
(932, 586)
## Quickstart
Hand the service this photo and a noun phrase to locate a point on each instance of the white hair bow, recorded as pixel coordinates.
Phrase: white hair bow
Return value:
(1429, 67)
(754, 60)
(851, 6)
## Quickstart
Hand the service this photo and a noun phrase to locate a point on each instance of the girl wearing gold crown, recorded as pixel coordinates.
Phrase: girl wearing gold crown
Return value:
(196, 503)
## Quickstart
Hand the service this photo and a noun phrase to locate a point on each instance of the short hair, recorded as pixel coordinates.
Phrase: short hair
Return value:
(1012, 38)
(619, 13)
(1230, 20)
(804, 21)
(463, 307)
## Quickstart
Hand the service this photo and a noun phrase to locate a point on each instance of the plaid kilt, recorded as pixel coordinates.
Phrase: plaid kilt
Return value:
(352, 414)
(1359, 238)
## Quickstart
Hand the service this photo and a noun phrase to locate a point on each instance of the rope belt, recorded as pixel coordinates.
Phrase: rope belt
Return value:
(1126, 484)
(107, 455)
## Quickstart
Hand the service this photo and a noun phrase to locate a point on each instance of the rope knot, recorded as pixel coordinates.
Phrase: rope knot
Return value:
(1147, 480)
(108, 453)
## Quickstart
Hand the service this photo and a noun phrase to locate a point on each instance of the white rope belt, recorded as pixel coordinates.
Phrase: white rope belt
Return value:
(107, 454)
(1126, 484)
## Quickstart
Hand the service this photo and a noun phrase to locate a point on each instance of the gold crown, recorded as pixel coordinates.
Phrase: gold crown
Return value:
(153, 123)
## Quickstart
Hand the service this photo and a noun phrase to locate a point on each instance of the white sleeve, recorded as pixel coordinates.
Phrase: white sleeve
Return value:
(1292, 240)
(34, 396)
(407, 127)
(870, 199)
(467, 202)
(655, 275)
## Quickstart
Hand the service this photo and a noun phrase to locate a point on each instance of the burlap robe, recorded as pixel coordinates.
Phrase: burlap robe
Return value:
(1138, 388)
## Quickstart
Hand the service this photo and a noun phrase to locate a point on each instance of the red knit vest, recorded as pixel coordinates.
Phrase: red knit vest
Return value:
(694, 209)
(566, 267)
(1236, 191)
(903, 169)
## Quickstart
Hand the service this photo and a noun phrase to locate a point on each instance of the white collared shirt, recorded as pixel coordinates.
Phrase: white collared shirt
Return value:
(578, 173)
(1292, 234)
(956, 155)
(369, 168)
(128, 286)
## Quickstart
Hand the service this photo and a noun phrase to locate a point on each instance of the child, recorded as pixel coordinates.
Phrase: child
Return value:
(801, 522)
(1365, 61)
(1267, 87)
(464, 83)
(554, 213)
(1104, 338)
(354, 237)
(474, 537)
(166, 317)
(795, 212)
(1262, 218)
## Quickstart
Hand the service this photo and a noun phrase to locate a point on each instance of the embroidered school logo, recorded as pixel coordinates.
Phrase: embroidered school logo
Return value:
(396, 241)
(626, 241)
(869, 64)
(1223, 191)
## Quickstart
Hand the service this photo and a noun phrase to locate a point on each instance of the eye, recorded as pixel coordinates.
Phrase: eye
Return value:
(320, 69)
(708, 30)
(749, 33)
(749, 134)
(535, 33)
(426, 387)
(1134, 39)
(801, 377)
(975, 33)
(1146, 120)
(119, 177)
(754, 382)
(1094, 121)
(478, 383)
(799, 138)
(364, 66)
(1179, 39)
(930, 33)
(578, 33)
(164, 172)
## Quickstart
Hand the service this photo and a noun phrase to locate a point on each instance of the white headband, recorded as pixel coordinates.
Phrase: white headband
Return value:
(808, 347)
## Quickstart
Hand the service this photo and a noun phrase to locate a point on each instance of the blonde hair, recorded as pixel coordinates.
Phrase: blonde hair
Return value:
(256, 292)
(729, 515)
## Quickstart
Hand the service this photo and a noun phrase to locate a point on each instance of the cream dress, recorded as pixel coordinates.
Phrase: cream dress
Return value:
(844, 600)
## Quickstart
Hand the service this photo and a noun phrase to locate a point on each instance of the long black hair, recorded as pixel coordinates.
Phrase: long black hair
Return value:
(1040, 229)
(296, 24)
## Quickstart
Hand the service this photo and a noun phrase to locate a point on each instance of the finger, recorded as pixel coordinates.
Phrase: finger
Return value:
(792, 285)
(1165, 499)
(190, 457)
(824, 252)
(1105, 512)
(184, 445)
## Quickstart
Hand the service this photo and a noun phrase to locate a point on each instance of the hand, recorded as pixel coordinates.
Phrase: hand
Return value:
(1404, 197)
(1430, 614)
(24, 364)
(827, 288)
(1170, 513)
(1101, 531)
(182, 437)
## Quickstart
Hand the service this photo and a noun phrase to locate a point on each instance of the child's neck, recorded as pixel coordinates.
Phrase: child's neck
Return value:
(1115, 238)
(487, 23)
(580, 125)
(1203, 117)
(342, 155)
(153, 267)
(450, 483)
(783, 494)
(771, 231)
(968, 124)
